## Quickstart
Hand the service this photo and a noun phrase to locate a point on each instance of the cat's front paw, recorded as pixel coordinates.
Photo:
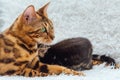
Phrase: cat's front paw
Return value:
(70, 71)
(78, 73)
(116, 66)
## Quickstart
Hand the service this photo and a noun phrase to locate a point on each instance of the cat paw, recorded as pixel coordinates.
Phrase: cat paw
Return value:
(73, 72)
(78, 73)
(117, 66)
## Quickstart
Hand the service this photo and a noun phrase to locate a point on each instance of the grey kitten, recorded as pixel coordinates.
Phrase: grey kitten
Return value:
(74, 53)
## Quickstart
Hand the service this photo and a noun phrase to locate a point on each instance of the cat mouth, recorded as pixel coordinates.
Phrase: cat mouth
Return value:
(48, 42)
(43, 41)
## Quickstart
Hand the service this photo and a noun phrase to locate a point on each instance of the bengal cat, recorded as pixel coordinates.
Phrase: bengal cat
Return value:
(18, 45)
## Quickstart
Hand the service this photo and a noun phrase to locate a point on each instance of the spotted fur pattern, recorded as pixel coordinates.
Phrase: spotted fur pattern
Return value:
(18, 45)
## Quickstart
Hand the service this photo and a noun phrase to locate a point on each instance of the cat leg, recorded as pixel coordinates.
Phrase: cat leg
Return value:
(28, 72)
(8, 68)
(51, 69)
(56, 69)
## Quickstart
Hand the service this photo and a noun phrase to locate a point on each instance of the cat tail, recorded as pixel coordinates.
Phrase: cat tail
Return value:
(99, 59)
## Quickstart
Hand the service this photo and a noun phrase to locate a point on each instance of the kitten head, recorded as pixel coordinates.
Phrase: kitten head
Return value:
(35, 24)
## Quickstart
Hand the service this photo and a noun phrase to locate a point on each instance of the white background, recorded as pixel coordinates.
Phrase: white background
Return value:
(97, 20)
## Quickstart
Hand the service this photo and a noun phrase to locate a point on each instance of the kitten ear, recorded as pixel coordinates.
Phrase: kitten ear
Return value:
(29, 14)
(43, 10)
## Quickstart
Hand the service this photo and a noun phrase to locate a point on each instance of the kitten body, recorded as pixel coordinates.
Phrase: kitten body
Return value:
(74, 53)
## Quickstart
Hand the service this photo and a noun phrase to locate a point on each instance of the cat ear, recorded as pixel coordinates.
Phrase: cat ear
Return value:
(43, 10)
(29, 14)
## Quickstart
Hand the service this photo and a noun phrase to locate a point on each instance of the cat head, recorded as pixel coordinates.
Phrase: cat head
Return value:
(35, 24)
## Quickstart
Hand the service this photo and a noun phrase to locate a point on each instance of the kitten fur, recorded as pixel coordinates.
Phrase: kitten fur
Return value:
(74, 53)
(18, 45)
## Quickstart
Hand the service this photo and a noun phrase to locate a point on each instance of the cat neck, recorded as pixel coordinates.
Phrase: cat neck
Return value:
(20, 38)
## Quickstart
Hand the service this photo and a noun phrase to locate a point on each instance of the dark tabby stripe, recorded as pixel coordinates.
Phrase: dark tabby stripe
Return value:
(8, 42)
(44, 69)
(7, 50)
(16, 52)
(9, 60)
(25, 48)
(20, 63)
(30, 74)
(10, 72)
(36, 65)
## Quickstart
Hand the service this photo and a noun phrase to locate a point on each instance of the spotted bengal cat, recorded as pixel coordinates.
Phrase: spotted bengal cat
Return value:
(18, 45)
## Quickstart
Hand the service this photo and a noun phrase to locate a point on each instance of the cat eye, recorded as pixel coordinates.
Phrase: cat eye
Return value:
(43, 29)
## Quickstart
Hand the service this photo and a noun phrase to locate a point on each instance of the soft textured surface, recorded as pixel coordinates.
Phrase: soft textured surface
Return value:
(97, 20)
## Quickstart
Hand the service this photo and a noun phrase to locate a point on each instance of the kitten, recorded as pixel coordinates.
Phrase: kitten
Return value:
(75, 53)
(18, 45)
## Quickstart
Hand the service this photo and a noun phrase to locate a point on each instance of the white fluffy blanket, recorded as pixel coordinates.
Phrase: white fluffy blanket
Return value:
(97, 20)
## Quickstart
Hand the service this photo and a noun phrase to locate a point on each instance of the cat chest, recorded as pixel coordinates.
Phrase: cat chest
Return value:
(10, 51)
